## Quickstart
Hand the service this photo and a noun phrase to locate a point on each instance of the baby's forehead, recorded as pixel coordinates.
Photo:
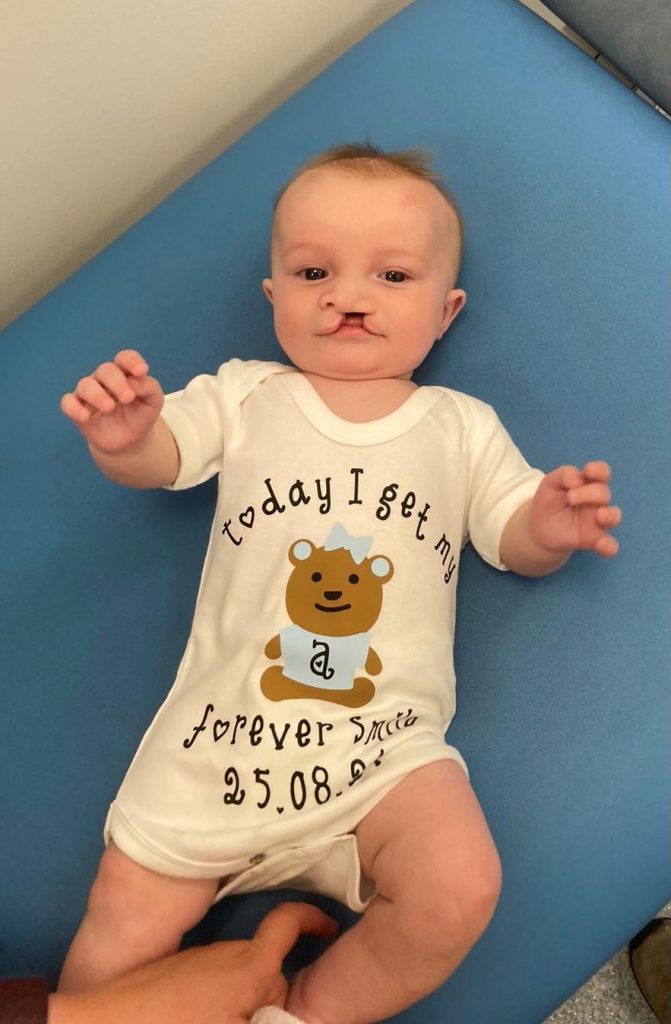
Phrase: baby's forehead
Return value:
(318, 194)
(343, 183)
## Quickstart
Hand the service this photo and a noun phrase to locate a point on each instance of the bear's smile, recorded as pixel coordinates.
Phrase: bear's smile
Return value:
(341, 608)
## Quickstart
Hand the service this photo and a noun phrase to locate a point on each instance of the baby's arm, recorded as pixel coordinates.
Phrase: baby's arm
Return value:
(569, 512)
(117, 409)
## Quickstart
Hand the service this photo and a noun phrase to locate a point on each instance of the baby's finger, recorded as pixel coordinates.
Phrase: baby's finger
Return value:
(606, 546)
(132, 362)
(564, 477)
(148, 389)
(597, 470)
(115, 382)
(609, 517)
(94, 394)
(74, 409)
(590, 494)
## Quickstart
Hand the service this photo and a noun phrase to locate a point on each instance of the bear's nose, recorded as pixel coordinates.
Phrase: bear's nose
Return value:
(333, 595)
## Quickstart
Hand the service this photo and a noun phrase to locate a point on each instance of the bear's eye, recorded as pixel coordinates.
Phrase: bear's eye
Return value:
(316, 577)
(353, 578)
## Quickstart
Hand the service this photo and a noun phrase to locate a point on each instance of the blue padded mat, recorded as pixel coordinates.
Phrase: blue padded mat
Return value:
(563, 702)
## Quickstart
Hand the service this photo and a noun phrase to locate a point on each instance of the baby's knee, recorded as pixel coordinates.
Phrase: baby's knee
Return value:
(454, 912)
(478, 895)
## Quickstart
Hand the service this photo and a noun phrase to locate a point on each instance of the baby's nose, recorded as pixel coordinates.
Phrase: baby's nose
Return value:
(347, 296)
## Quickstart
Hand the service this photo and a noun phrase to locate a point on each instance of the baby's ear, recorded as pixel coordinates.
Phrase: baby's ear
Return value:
(267, 285)
(455, 301)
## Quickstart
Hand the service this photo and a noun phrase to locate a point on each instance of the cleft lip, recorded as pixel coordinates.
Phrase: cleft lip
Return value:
(354, 320)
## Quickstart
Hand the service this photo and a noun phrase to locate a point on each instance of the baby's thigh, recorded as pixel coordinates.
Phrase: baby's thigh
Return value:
(125, 890)
(427, 846)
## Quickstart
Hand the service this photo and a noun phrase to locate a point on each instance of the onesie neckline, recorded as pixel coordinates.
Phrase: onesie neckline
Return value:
(317, 412)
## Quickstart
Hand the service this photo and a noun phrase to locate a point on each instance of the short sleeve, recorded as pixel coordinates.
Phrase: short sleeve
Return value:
(500, 480)
(196, 418)
(201, 416)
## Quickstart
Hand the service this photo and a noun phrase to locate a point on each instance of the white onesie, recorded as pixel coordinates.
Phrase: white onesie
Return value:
(319, 668)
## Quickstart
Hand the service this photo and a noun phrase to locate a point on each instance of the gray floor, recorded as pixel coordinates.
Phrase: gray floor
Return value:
(610, 996)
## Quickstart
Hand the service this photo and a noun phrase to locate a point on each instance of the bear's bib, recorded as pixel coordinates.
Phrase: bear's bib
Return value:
(329, 662)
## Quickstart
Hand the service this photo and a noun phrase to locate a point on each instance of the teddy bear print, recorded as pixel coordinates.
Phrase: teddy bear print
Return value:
(334, 598)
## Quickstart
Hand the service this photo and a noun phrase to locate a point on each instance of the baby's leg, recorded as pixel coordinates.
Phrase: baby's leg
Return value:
(428, 849)
(133, 916)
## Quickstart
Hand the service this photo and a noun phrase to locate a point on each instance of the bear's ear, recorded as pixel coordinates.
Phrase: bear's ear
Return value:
(381, 568)
(300, 551)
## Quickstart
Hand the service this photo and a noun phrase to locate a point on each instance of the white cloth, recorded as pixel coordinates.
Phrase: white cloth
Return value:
(227, 769)
(273, 1015)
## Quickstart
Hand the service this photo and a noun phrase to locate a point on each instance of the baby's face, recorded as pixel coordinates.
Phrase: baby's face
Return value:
(362, 273)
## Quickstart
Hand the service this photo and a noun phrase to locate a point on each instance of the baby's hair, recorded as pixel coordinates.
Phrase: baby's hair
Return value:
(367, 160)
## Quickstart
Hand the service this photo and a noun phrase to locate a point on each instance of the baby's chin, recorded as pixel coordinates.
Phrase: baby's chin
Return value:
(355, 366)
(348, 375)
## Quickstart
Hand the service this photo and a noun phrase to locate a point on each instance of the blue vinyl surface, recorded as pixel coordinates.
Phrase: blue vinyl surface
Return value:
(563, 701)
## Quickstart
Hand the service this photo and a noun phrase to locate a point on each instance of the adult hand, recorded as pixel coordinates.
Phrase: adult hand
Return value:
(223, 983)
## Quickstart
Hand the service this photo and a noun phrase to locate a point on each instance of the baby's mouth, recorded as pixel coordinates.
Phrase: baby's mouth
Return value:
(350, 322)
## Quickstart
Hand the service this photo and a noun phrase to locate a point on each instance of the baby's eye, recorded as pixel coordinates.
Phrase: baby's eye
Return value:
(313, 274)
(395, 276)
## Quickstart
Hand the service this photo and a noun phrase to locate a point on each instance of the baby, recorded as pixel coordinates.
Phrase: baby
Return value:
(303, 742)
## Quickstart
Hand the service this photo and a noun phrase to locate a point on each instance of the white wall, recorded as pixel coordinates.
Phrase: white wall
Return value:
(107, 106)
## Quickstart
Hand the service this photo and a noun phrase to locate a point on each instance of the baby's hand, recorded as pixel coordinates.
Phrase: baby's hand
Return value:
(115, 407)
(571, 510)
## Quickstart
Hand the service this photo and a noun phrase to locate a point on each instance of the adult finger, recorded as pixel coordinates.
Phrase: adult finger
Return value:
(276, 994)
(281, 928)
